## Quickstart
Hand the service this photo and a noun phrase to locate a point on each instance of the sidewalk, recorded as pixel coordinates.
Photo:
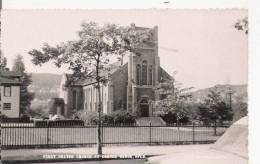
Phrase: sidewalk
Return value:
(69, 154)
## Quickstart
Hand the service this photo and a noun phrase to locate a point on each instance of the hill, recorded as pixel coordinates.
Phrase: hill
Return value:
(239, 92)
(45, 85)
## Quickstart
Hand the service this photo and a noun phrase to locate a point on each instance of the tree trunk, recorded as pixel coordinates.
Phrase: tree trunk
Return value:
(99, 122)
(99, 141)
(215, 128)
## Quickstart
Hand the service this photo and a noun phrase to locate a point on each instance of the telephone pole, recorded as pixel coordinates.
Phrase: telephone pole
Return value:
(229, 93)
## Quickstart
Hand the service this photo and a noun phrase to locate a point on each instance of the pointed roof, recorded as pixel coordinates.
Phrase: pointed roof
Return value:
(9, 74)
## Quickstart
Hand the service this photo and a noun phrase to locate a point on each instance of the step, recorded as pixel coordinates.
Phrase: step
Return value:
(155, 121)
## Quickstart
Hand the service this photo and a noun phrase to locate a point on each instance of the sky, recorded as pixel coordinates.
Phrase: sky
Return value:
(210, 50)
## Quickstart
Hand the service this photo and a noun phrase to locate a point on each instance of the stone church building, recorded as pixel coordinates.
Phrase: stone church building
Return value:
(132, 84)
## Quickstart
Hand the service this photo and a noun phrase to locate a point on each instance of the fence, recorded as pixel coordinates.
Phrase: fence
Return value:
(28, 136)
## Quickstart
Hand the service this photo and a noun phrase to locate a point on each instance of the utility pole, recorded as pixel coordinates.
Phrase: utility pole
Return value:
(229, 93)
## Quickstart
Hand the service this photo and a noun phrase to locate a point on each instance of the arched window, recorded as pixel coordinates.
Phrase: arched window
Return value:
(151, 75)
(144, 73)
(138, 74)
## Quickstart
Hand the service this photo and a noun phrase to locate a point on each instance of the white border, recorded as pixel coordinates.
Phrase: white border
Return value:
(254, 38)
(122, 4)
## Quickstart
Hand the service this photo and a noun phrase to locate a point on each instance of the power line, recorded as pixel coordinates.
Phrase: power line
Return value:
(168, 49)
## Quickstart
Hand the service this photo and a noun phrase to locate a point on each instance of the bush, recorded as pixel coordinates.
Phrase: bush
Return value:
(171, 117)
(44, 123)
(108, 119)
(23, 119)
(87, 117)
(118, 117)
(3, 117)
(122, 117)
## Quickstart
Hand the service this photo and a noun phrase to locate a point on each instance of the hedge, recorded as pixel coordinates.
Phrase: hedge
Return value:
(15, 120)
(50, 123)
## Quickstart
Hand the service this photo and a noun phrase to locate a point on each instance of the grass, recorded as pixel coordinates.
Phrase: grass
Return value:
(111, 135)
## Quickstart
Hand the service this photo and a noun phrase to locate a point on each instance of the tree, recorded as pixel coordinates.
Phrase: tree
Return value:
(242, 25)
(3, 61)
(240, 107)
(88, 56)
(26, 79)
(173, 100)
(19, 64)
(214, 109)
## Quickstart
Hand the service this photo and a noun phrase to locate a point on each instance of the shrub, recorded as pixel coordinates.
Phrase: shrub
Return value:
(118, 117)
(108, 119)
(44, 123)
(123, 117)
(169, 117)
(2, 117)
(23, 119)
(87, 117)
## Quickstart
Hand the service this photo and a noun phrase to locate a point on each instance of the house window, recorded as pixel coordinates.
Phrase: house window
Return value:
(74, 99)
(7, 91)
(151, 75)
(138, 74)
(144, 73)
(6, 106)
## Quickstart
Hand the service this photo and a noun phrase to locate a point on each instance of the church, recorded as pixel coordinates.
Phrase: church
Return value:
(131, 86)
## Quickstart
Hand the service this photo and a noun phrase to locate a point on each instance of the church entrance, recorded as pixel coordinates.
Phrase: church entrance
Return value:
(144, 108)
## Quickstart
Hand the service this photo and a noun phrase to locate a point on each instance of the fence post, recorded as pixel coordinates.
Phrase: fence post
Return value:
(193, 133)
(102, 132)
(150, 133)
(178, 130)
(48, 133)
(215, 129)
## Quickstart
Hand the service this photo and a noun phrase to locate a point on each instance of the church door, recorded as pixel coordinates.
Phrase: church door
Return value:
(144, 108)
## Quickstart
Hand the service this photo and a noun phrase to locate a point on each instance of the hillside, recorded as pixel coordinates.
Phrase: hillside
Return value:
(45, 85)
(239, 92)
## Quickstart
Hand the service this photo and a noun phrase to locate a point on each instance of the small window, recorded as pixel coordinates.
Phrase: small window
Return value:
(7, 106)
(7, 91)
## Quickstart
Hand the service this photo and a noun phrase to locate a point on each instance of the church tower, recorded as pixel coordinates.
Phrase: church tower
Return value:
(143, 75)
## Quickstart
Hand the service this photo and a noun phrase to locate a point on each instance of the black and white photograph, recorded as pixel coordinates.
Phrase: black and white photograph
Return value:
(123, 86)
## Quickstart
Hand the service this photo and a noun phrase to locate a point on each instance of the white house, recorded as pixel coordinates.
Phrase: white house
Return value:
(10, 93)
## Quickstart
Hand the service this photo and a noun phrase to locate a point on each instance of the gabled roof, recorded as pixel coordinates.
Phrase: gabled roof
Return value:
(9, 77)
(9, 74)
(4, 80)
